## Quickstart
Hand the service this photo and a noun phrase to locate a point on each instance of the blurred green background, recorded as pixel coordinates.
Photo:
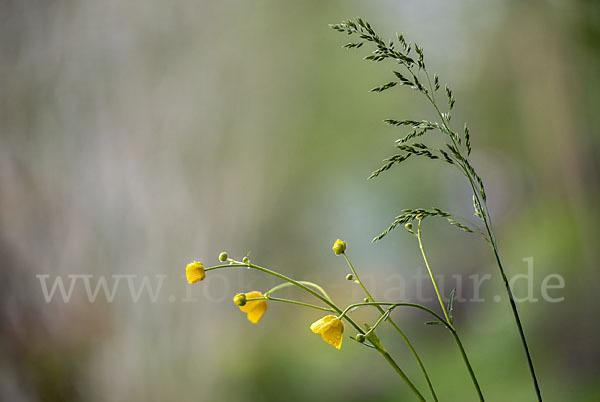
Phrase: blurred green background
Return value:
(137, 136)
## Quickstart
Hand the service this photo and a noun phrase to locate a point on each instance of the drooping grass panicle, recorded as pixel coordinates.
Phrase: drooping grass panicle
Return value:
(409, 215)
(458, 149)
(417, 77)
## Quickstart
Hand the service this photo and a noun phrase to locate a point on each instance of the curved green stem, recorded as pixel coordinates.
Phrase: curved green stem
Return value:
(379, 321)
(394, 305)
(288, 284)
(393, 324)
(277, 299)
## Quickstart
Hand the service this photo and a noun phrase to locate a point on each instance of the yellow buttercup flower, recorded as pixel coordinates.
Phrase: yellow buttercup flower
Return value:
(254, 308)
(339, 247)
(195, 272)
(331, 329)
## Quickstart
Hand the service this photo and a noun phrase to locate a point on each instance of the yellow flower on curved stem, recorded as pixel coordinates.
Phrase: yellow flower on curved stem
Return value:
(331, 329)
(195, 272)
(254, 308)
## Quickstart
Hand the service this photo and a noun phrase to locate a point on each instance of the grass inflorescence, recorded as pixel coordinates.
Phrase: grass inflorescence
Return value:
(458, 147)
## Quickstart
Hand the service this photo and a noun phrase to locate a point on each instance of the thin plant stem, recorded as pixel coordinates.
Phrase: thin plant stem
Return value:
(277, 299)
(398, 370)
(288, 284)
(519, 325)
(377, 304)
(393, 324)
(431, 276)
(445, 310)
(467, 363)
(383, 317)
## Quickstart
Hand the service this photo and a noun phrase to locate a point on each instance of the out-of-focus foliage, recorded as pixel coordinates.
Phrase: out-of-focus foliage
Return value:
(138, 136)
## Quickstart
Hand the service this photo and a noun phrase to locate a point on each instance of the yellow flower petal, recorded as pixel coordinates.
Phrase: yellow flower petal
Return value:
(318, 326)
(333, 336)
(255, 309)
(331, 329)
(195, 272)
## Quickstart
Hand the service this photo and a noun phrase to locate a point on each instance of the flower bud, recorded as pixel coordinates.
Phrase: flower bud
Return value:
(360, 338)
(239, 299)
(408, 226)
(350, 277)
(246, 260)
(366, 300)
(339, 247)
(254, 309)
(195, 272)
(223, 257)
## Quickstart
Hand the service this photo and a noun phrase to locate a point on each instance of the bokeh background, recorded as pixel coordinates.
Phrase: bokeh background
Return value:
(137, 136)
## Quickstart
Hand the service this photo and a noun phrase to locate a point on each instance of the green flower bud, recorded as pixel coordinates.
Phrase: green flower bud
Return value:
(350, 277)
(246, 260)
(408, 226)
(366, 300)
(223, 257)
(339, 247)
(360, 338)
(240, 299)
